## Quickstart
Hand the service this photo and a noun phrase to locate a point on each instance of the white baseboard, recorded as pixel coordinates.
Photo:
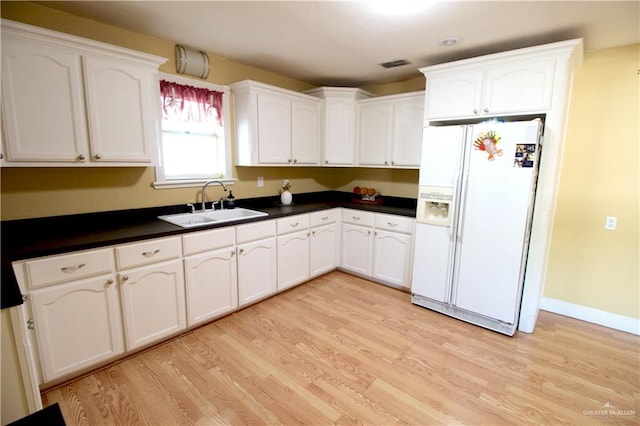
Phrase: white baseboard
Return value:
(596, 316)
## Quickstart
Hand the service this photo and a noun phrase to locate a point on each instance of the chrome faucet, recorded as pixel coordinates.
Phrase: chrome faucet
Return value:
(205, 187)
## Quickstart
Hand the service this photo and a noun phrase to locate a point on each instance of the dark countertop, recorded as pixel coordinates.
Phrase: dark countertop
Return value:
(29, 238)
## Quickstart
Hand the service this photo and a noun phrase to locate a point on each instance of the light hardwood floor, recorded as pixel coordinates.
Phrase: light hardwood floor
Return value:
(342, 350)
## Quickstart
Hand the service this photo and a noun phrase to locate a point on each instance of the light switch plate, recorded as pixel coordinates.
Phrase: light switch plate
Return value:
(260, 182)
(611, 223)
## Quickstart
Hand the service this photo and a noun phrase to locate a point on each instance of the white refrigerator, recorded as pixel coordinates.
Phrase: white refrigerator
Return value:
(475, 204)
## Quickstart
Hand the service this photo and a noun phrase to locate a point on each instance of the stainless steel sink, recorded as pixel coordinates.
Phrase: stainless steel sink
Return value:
(190, 220)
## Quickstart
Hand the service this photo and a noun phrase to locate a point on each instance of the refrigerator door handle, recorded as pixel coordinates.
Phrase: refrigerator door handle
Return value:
(463, 203)
(454, 210)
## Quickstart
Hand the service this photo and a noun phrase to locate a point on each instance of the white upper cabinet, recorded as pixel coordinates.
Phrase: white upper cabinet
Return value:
(498, 86)
(374, 135)
(275, 126)
(340, 118)
(69, 101)
(42, 90)
(390, 130)
(120, 108)
(305, 132)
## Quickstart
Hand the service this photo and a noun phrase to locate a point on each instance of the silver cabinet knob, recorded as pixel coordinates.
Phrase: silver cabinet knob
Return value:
(98, 156)
(81, 157)
(475, 110)
(486, 110)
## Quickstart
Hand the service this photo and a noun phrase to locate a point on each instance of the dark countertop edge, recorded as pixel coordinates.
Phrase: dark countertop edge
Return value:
(30, 238)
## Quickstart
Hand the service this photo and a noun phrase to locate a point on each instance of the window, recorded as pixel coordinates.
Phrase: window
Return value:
(195, 133)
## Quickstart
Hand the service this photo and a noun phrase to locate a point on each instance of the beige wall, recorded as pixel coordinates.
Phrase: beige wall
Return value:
(589, 265)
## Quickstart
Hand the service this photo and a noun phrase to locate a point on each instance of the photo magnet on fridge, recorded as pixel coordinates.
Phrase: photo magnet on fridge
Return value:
(525, 155)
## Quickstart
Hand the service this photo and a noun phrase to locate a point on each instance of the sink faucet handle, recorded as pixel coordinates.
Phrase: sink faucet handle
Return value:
(221, 203)
(192, 208)
(213, 205)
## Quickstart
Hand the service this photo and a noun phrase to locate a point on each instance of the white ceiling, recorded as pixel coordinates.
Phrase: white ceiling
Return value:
(337, 43)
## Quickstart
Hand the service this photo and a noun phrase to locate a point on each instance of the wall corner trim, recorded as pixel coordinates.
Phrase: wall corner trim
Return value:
(596, 316)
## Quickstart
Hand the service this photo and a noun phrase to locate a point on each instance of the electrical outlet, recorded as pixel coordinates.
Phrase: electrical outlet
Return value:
(611, 223)
(260, 182)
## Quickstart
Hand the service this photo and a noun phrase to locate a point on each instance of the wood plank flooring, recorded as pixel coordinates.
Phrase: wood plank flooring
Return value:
(342, 350)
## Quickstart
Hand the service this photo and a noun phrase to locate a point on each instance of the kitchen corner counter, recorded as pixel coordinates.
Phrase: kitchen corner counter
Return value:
(29, 238)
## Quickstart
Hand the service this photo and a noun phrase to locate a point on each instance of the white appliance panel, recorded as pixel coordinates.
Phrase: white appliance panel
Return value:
(441, 151)
(493, 225)
(432, 262)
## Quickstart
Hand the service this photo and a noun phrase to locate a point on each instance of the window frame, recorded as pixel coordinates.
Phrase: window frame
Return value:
(161, 182)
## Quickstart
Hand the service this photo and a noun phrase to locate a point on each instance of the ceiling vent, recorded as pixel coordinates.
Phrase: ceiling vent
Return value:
(396, 63)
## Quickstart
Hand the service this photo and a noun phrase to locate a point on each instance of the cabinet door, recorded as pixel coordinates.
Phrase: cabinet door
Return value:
(323, 250)
(339, 135)
(392, 258)
(257, 269)
(42, 103)
(408, 122)
(453, 94)
(122, 123)
(357, 244)
(518, 87)
(211, 285)
(374, 134)
(305, 131)
(153, 302)
(274, 129)
(78, 324)
(293, 259)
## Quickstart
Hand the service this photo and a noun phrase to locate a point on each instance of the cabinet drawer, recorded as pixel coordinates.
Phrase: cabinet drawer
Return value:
(323, 217)
(292, 224)
(57, 269)
(199, 242)
(255, 231)
(394, 223)
(358, 217)
(148, 252)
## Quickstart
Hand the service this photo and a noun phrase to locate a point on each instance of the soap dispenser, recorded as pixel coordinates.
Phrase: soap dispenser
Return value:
(231, 200)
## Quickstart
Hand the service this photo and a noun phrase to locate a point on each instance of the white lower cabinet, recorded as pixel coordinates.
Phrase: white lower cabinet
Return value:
(211, 274)
(293, 250)
(153, 300)
(323, 244)
(77, 324)
(392, 258)
(293, 259)
(378, 246)
(211, 285)
(153, 303)
(357, 248)
(257, 261)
